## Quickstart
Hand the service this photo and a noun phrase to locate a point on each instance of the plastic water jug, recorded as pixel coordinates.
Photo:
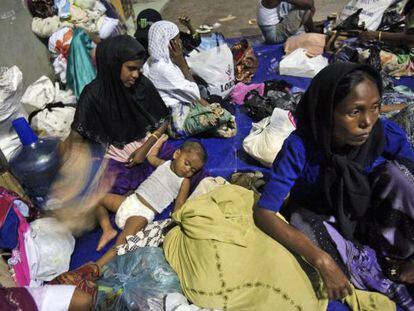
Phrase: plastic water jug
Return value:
(35, 163)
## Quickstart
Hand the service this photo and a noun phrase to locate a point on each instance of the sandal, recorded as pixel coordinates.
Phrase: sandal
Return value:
(204, 29)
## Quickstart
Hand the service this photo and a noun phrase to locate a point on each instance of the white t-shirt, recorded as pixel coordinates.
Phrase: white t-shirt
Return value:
(268, 17)
(161, 187)
(372, 11)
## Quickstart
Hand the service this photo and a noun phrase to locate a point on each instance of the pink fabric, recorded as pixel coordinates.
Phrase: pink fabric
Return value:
(241, 89)
(122, 155)
(314, 43)
(21, 269)
(292, 119)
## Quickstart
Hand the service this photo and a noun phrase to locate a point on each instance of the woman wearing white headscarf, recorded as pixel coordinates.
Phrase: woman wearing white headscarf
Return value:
(167, 68)
(169, 72)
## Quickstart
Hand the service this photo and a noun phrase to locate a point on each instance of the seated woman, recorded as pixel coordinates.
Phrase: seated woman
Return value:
(168, 70)
(337, 169)
(280, 19)
(398, 59)
(120, 108)
(148, 17)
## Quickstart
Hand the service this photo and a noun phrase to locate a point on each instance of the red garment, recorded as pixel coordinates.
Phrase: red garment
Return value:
(16, 299)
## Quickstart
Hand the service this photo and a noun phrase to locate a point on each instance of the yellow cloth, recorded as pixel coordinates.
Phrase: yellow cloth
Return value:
(224, 261)
(369, 301)
(118, 6)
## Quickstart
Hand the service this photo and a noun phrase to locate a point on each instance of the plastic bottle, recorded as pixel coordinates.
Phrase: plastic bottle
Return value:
(330, 24)
(35, 163)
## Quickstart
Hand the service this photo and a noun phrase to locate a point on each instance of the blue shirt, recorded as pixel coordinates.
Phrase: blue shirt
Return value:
(298, 167)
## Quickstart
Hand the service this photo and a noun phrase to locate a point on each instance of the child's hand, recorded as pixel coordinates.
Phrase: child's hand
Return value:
(185, 21)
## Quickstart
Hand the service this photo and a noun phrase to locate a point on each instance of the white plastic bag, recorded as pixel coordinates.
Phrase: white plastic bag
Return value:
(107, 26)
(372, 11)
(38, 94)
(11, 89)
(299, 64)
(54, 245)
(216, 67)
(267, 136)
(54, 123)
(11, 82)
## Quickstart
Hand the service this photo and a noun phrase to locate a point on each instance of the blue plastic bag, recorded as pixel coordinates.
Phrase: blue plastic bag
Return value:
(137, 281)
(208, 42)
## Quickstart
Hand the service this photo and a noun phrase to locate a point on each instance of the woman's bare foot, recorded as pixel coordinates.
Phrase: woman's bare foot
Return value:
(106, 237)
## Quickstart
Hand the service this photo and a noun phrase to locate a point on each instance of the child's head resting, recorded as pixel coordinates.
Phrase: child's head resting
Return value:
(189, 159)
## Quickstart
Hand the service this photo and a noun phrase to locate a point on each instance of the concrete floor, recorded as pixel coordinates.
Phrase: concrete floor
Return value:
(21, 47)
(210, 11)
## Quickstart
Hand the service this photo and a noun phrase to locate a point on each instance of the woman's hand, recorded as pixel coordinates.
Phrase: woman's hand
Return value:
(336, 283)
(185, 21)
(177, 57)
(400, 270)
(176, 53)
(137, 157)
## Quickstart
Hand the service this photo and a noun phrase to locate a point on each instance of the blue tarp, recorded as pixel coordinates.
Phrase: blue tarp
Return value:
(225, 156)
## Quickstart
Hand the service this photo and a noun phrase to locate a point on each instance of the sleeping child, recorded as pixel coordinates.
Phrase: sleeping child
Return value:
(170, 180)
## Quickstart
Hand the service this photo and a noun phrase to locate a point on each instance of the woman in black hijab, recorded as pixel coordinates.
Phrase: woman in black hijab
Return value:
(121, 106)
(334, 169)
(147, 17)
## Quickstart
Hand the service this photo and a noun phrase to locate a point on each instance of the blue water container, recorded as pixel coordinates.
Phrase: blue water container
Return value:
(36, 163)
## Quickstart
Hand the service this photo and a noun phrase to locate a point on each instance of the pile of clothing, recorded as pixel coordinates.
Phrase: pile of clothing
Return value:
(69, 26)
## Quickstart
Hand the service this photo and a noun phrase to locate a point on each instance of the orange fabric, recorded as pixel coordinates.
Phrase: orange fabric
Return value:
(245, 61)
(118, 6)
(63, 46)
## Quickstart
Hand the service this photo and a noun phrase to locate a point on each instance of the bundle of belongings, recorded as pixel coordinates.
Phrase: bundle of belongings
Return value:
(272, 105)
(40, 249)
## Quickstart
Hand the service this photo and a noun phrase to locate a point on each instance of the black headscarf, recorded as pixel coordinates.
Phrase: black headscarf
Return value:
(408, 7)
(144, 21)
(346, 185)
(110, 113)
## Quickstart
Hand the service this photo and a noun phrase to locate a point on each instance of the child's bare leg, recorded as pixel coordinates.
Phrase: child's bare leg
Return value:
(108, 232)
(132, 226)
(110, 202)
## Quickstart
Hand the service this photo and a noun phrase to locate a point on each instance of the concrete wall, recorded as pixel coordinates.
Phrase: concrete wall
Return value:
(19, 45)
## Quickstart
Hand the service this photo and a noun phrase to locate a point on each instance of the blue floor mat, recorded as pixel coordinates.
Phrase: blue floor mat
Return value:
(225, 156)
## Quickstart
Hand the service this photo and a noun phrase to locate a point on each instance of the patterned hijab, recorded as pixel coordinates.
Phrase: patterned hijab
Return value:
(159, 37)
